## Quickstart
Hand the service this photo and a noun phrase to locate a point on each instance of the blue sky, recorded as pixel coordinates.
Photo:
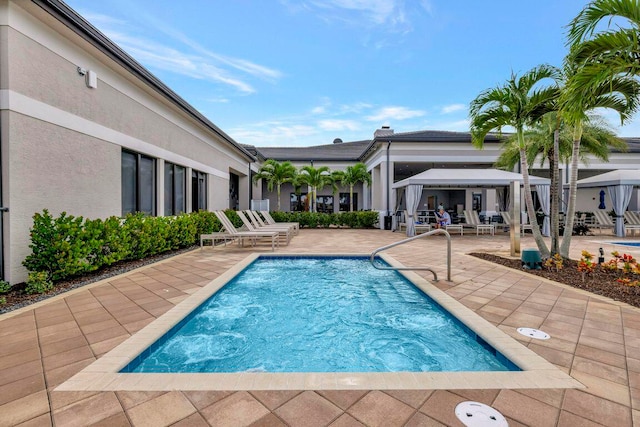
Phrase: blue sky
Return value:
(303, 72)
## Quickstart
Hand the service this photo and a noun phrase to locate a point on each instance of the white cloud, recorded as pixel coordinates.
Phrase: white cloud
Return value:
(338, 125)
(394, 16)
(391, 113)
(274, 134)
(447, 109)
(187, 58)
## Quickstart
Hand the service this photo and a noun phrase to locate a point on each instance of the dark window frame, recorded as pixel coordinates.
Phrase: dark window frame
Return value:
(174, 185)
(197, 202)
(139, 183)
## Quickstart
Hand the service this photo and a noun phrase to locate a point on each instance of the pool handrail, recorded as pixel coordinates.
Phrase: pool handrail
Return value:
(410, 239)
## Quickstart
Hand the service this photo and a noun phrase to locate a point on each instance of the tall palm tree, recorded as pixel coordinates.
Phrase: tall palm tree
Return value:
(276, 174)
(608, 52)
(317, 179)
(620, 93)
(354, 175)
(550, 142)
(517, 103)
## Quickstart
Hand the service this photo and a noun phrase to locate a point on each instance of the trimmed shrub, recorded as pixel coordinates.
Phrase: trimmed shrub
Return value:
(38, 283)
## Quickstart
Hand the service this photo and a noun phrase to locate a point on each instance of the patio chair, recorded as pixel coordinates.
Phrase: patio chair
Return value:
(603, 220)
(253, 236)
(632, 222)
(283, 231)
(221, 235)
(506, 216)
(473, 220)
(270, 221)
(420, 228)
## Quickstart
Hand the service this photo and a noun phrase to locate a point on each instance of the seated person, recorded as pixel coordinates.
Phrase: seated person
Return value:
(442, 218)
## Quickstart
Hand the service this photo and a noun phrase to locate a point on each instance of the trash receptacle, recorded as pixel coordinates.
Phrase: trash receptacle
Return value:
(387, 222)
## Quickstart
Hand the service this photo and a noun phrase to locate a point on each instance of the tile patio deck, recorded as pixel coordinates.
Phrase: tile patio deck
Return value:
(595, 340)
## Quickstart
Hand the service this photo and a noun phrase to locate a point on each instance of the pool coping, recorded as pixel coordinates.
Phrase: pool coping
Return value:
(104, 375)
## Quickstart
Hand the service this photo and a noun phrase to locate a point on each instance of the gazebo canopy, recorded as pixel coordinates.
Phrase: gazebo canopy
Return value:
(616, 177)
(467, 178)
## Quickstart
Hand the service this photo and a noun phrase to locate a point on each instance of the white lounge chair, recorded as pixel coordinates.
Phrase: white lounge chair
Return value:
(283, 231)
(420, 228)
(253, 236)
(603, 220)
(269, 220)
(632, 222)
(506, 216)
(472, 219)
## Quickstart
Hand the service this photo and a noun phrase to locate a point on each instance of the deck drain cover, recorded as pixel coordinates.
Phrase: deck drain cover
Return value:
(534, 333)
(476, 414)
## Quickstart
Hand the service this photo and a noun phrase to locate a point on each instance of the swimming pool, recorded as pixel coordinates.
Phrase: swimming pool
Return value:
(319, 314)
(634, 244)
(105, 373)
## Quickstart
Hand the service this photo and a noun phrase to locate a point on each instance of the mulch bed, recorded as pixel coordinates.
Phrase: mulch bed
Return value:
(600, 281)
(18, 299)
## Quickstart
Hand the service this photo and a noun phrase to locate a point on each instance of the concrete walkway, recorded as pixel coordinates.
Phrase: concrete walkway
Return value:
(595, 340)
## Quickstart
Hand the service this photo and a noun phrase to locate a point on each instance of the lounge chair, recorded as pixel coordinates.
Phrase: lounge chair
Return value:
(473, 220)
(257, 221)
(270, 221)
(603, 220)
(215, 236)
(253, 236)
(283, 231)
(632, 222)
(506, 216)
(420, 228)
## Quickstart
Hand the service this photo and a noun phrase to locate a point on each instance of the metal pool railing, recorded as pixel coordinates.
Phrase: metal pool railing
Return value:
(410, 239)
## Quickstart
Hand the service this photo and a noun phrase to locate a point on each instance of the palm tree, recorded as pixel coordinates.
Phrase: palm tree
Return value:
(620, 93)
(606, 53)
(316, 178)
(276, 174)
(354, 175)
(518, 103)
(550, 140)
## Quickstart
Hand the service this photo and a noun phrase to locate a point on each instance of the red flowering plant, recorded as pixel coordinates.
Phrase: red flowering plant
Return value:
(586, 265)
(628, 266)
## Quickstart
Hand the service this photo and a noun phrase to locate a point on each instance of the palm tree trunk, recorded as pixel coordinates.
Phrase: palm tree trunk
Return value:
(535, 228)
(278, 198)
(554, 161)
(351, 198)
(573, 186)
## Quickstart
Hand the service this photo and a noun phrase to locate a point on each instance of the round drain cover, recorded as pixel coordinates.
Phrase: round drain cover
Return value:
(534, 333)
(476, 414)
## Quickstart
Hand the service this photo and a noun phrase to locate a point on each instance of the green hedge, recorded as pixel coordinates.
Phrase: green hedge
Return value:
(359, 219)
(67, 246)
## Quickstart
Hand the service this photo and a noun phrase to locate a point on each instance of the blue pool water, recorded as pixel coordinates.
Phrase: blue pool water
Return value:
(637, 244)
(320, 314)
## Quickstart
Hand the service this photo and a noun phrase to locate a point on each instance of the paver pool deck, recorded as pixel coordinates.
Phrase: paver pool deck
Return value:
(594, 339)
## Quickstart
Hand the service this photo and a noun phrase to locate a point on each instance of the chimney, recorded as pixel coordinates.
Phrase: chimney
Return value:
(382, 132)
(337, 141)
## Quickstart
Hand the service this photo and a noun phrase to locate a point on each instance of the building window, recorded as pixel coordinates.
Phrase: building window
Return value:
(175, 183)
(198, 191)
(298, 202)
(138, 183)
(344, 202)
(324, 204)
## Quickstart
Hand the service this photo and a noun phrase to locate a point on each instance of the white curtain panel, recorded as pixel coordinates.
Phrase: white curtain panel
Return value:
(544, 192)
(414, 193)
(394, 203)
(620, 196)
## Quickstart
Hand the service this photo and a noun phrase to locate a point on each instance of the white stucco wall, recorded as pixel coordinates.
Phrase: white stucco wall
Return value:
(62, 141)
